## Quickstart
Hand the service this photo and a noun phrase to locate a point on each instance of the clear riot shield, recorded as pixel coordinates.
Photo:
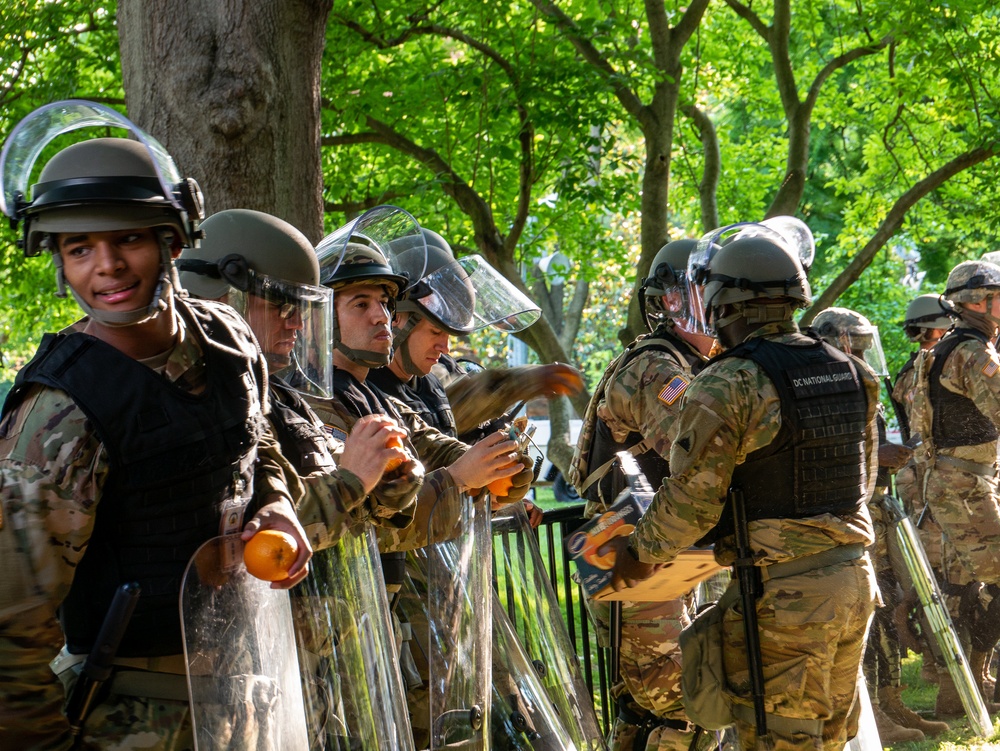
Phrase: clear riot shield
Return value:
(446, 602)
(912, 552)
(523, 715)
(867, 738)
(527, 595)
(243, 674)
(351, 682)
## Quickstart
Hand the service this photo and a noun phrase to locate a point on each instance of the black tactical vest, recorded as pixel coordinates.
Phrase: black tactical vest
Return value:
(360, 399)
(303, 441)
(423, 394)
(176, 460)
(605, 447)
(816, 463)
(956, 421)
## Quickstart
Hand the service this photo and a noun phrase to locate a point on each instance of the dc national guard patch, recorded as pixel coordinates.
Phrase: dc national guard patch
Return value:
(673, 390)
(990, 369)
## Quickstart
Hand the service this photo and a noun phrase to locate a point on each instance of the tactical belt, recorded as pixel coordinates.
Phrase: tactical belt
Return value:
(646, 722)
(973, 468)
(807, 563)
(782, 725)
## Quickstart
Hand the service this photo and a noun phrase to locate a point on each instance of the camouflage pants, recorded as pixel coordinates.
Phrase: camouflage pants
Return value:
(940, 552)
(129, 723)
(965, 505)
(811, 654)
(649, 669)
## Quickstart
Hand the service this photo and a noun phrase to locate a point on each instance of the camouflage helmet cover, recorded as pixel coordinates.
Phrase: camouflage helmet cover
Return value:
(972, 281)
(361, 262)
(834, 322)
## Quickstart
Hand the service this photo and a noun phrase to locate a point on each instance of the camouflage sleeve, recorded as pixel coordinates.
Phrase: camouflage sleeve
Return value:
(645, 397)
(974, 370)
(392, 501)
(729, 410)
(325, 511)
(273, 473)
(902, 393)
(52, 470)
(438, 516)
(434, 448)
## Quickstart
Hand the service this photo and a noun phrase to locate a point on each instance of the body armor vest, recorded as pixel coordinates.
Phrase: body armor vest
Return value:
(303, 441)
(177, 460)
(604, 447)
(360, 399)
(816, 463)
(956, 421)
(423, 394)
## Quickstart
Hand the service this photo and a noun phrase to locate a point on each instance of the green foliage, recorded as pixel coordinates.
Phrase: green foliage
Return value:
(54, 50)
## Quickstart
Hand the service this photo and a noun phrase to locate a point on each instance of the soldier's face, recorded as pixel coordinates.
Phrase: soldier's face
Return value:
(363, 317)
(114, 271)
(426, 345)
(275, 326)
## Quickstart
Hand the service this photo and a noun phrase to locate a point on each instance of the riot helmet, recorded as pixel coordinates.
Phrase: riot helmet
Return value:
(852, 333)
(361, 252)
(457, 296)
(667, 275)
(98, 185)
(266, 269)
(783, 232)
(758, 277)
(926, 314)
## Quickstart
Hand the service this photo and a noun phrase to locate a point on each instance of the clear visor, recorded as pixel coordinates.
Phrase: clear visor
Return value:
(387, 228)
(30, 137)
(293, 324)
(867, 347)
(468, 294)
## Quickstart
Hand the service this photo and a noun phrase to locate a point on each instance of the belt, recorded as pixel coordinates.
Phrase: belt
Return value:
(973, 468)
(779, 723)
(796, 566)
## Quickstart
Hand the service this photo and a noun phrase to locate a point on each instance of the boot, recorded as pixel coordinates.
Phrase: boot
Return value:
(893, 706)
(979, 664)
(948, 703)
(889, 732)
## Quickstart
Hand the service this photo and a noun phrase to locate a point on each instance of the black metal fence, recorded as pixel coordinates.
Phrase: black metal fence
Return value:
(594, 660)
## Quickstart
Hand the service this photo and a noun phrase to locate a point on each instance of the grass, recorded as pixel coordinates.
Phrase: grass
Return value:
(919, 696)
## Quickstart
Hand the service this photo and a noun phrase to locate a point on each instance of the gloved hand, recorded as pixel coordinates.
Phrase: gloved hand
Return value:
(520, 484)
(553, 380)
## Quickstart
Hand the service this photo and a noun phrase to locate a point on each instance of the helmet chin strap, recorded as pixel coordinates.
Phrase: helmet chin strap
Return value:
(400, 336)
(363, 357)
(981, 321)
(162, 301)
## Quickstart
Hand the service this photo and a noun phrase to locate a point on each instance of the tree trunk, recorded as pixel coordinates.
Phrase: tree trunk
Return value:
(232, 90)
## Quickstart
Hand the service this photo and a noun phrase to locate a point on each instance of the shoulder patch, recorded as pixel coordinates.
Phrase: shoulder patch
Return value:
(673, 390)
(991, 367)
(335, 432)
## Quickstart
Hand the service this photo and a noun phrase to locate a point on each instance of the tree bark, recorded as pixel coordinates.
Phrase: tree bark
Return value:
(232, 90)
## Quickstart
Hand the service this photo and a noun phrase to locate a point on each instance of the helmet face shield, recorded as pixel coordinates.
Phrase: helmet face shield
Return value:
(293, 324)
(30, 137)
(384, 228)
(868, 347)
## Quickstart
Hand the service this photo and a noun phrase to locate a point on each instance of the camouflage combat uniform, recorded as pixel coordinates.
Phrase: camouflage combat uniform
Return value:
(640, 395)
(813, 642)
(960, 484)
(53, 468)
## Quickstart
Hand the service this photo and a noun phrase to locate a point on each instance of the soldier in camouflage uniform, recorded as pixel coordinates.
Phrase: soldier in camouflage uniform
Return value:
(102, 485)
(287, 310)
(926, 320)
(633, 408)
(855, 335)
(789, 421)
(956, 412)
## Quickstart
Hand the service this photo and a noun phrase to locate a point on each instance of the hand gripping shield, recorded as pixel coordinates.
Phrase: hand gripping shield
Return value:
(525, 592)
(243, 673)
(446, 602)
(350, 669)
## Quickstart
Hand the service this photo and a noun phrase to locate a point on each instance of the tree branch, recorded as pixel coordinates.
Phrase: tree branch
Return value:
(893, 221)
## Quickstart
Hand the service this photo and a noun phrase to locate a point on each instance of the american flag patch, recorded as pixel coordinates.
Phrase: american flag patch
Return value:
(991, 368)
(336, 433)
(672, 391)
